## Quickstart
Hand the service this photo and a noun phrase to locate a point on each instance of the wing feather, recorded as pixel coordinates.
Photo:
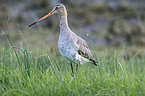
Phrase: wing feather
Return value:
(84, 50)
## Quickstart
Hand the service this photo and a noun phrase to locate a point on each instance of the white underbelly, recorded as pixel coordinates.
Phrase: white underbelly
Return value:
(73, 56)
(68, 53)
(68, 50)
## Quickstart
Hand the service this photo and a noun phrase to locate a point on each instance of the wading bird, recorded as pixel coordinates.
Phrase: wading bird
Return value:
(71, 46)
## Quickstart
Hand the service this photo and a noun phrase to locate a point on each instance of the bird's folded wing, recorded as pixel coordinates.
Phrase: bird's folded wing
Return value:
(84, 51)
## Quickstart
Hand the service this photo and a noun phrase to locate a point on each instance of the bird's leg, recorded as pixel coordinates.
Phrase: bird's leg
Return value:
(76, 67)
(72, 67)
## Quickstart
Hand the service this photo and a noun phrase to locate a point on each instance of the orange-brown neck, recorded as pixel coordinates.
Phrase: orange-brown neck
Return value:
(63, 23)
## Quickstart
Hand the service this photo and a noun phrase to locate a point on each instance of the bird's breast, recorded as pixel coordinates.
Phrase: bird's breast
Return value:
(67, 47)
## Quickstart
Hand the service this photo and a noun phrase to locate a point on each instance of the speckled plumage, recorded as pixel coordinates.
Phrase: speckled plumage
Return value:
(71, 46)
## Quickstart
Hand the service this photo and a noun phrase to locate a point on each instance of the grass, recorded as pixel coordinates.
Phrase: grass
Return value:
(38, 73)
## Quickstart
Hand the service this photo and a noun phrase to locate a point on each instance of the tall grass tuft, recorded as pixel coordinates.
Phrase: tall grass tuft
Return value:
(37, 73)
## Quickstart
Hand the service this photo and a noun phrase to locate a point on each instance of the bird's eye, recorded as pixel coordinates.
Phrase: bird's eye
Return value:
(56, 8)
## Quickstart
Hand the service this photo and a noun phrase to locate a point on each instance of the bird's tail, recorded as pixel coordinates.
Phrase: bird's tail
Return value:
(95, 62)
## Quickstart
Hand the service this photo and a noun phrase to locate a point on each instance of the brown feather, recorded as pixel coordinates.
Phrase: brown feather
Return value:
(85, 52)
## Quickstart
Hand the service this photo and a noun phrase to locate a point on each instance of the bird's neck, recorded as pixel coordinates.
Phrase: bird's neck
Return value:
(64, 28)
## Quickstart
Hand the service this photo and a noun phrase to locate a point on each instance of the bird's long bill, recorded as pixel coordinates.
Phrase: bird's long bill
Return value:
(44, 17)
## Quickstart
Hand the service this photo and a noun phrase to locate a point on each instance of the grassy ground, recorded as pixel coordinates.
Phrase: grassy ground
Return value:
(28, 72)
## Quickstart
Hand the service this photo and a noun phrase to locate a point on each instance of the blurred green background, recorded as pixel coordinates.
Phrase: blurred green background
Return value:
(101, 22)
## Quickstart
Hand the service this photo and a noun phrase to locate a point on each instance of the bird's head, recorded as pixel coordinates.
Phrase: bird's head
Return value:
(58, 8)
